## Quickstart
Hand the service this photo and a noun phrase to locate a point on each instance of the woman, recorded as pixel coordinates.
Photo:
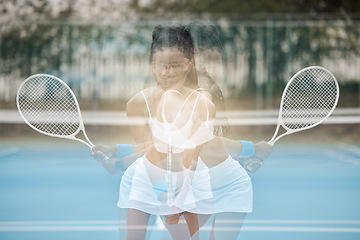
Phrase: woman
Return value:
(177, 119)
(230, 183)
(178, 125)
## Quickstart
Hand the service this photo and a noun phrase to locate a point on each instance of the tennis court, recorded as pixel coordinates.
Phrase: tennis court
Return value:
(53, 189)
(243, 52)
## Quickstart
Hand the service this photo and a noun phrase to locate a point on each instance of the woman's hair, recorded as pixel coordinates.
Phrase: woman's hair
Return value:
(175, 36)
(206, 37)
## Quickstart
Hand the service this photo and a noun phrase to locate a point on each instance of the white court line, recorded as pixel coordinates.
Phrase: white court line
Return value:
(88, 222)
(343, 157)
(8, 151)
(247, 221)
(112, 225)
(237, 118)
(57, 228)
(273, 121)
(224, 229)
(275, 112)
(296, 229)
(291, 221)
(345, 153)
(350, 148)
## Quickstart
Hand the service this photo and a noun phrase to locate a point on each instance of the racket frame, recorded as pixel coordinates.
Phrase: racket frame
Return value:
(81, 123)
(280, 121)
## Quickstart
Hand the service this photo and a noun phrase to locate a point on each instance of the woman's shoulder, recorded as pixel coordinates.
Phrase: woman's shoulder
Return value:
(140, 101)
(135, 100)
(136, 104)
(140, 97)
(204, 105)
(205, 99)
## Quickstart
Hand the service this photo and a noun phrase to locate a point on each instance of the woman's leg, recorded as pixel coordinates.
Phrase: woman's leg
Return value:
(195, 222)
(232, 221)
(178, 231)
(133, 224)
(188, 226)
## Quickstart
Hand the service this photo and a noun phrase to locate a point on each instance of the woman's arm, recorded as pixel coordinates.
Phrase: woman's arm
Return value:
(136, 108)
(120, 156)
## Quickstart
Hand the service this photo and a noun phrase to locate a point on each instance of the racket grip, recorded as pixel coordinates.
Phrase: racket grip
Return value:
(252, 164)
(105, 158)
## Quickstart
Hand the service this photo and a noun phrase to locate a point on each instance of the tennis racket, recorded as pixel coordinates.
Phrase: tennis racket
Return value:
(308, 99)
(49, 106)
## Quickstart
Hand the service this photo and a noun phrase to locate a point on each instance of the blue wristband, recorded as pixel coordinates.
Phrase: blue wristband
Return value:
(122, 150)
(247, 149)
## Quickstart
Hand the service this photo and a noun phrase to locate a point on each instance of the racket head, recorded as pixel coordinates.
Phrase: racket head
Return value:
(49, 106)
(308, 99)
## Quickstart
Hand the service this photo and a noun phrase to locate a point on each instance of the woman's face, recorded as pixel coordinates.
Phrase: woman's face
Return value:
(170, 68)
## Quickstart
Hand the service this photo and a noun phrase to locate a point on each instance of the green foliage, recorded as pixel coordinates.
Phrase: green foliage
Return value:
(269, 36)
(239, 7)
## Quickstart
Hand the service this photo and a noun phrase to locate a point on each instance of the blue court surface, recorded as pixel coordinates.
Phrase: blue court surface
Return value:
(57, 191)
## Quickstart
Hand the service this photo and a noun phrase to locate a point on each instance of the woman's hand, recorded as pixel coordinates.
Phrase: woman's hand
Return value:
(102, 152)
(172, 219)
(262, 151)
(106, 156)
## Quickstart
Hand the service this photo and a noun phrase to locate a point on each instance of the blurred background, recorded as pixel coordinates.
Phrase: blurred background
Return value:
(101, 49)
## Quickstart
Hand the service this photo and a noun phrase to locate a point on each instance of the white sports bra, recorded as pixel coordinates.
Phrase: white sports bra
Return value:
(179, 138)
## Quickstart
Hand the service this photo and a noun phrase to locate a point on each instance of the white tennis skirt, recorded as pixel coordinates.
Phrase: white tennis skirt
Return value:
(222, 188)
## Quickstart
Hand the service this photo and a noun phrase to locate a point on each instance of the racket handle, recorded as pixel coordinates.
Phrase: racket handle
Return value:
(252, 164)
(105, 158)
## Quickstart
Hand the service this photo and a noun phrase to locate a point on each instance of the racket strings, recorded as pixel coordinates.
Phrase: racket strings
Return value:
(49, 106)
(309, 98)
(57, 128)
